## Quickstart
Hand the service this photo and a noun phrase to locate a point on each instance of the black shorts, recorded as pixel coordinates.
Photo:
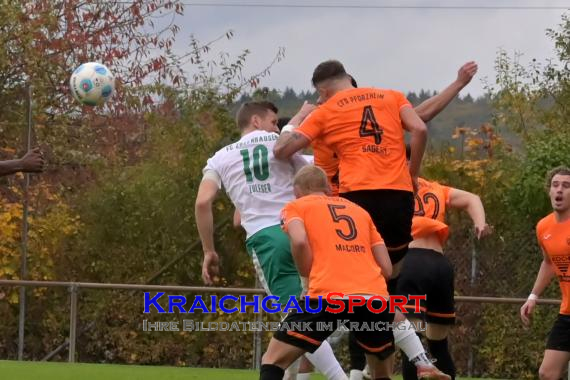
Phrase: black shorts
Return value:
(392, 212)
(559, 337)
(428, 272)
(308, 330)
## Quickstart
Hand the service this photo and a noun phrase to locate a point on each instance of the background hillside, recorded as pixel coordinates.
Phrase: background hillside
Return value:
(462, 112)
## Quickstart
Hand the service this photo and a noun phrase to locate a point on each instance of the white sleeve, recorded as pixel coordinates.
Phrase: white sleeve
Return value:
(213, 175)
(309, 158)
(210, 172)
(298, 161)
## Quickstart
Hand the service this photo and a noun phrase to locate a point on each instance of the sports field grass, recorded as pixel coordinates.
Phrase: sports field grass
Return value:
(12, 370)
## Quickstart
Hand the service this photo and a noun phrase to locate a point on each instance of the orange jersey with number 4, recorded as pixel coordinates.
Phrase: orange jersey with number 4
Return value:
(341, 236)
(363, 126)
(554, 239)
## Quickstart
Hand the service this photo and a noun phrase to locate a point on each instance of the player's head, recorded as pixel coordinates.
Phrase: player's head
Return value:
(282, 121)
(328, 76)
(352, 82)
(558, 184)
(309, 180)
(259, 115)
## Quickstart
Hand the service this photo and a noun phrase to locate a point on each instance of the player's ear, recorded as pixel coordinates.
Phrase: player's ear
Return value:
(255, 121)
(328, 191)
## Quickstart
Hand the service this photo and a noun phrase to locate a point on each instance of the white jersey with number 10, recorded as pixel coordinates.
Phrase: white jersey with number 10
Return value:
(258, 184)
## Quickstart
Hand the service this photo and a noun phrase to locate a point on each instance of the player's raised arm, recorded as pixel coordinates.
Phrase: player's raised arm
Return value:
(289, 141)
(417, 128)
(472, 204)
(205, 223)
(431, 107)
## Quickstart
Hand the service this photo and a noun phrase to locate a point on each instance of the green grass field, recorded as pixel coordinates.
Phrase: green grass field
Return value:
(12, 370)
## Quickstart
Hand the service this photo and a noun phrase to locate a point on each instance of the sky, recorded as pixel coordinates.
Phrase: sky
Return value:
(407, 48)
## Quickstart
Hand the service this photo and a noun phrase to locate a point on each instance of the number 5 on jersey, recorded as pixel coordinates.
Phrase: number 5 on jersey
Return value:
(337, 218)
(260, 163)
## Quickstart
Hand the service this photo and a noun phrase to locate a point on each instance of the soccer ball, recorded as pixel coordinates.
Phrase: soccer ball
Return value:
(92, 84)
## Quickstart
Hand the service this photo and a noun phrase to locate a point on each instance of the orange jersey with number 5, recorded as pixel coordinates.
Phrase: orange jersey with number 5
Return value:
(341, 236)
(554, 239)
(363, 126)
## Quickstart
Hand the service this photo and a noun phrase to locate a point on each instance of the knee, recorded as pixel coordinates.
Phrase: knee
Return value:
(437, 332)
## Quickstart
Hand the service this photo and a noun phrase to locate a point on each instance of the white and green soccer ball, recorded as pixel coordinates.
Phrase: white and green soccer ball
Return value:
(92, 84)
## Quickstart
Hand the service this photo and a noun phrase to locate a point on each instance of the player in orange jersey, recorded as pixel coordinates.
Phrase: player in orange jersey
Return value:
(329, 235)
(553, 234)
(427, 271)
(365, 128)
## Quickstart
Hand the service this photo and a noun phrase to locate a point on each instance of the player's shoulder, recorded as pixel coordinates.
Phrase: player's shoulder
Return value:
(427, 185)
(389, 91)
(351, 206)
(545, 222)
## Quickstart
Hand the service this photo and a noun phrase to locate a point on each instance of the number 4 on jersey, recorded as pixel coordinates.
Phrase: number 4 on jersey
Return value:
(369, 126)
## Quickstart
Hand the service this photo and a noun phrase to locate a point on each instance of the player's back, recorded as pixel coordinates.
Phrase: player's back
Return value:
(431, 200)
(363, 126)
(341, 236)
(257, 183)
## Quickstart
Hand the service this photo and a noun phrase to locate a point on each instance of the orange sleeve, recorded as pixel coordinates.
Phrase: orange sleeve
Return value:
(290, 212)
(311, 127)
(375, 238)
(401, 99)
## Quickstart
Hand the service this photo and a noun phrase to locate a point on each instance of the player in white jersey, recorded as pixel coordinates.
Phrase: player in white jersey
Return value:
(259, 186)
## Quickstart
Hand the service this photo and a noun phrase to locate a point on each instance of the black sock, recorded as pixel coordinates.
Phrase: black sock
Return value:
(357, 355)
(271, 372)
(439, 350)
(393, 286)
(409, 371)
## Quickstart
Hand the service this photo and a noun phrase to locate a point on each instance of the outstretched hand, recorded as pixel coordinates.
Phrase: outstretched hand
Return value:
(467, 72)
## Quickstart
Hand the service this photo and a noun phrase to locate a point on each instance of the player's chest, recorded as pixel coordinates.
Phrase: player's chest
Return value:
(556, 242)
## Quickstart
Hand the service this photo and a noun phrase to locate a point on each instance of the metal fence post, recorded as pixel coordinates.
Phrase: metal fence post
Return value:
(471, 359)
(72, 322)
(24, 255)
(257, 335)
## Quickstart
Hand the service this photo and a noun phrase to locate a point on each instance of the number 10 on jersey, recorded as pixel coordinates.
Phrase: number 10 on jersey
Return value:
(260, 163)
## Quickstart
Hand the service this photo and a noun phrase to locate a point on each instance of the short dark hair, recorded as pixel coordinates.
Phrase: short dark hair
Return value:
(331, 69)
(249, 109)
(282, 121)
(563, 170)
